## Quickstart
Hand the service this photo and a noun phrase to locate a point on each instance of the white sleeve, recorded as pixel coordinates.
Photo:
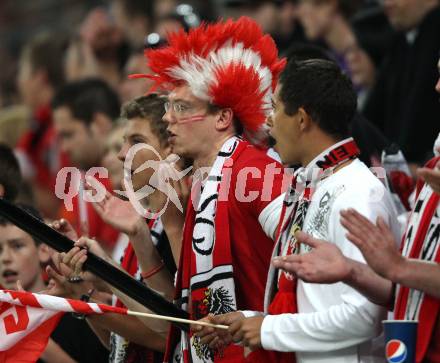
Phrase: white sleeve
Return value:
(270, 216)
(250, 313)
(341, 317)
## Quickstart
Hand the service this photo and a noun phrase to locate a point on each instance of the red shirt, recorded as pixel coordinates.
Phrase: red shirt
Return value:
(250, 247)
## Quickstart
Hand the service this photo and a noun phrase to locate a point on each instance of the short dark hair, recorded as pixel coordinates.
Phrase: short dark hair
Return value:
(30, 210)
(87, 97)
(151, 108)
(324, 92)
(305, 51)
(10, 175)
(46, 52)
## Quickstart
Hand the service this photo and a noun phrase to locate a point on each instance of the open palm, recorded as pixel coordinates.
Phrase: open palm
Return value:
(119, 214)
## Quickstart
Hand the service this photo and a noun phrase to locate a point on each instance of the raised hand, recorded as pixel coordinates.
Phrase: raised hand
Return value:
(64, 227)
(376, 242)
(325, 263)
(119, 214)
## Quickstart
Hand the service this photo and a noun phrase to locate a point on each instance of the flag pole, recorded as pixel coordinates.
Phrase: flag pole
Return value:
(177, 320)
(107, 272)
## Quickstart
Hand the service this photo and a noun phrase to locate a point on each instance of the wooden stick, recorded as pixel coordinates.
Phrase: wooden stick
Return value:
(177, 320)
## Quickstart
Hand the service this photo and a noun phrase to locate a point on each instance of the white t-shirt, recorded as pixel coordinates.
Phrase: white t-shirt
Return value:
(335, 323)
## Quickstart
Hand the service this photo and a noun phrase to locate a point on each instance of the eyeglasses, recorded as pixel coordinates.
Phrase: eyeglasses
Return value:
(178, 108)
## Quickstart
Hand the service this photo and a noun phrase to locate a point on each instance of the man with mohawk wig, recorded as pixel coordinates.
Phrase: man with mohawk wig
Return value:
(221, 78)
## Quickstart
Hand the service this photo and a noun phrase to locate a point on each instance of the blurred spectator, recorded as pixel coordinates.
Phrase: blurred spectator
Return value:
(290, 29)
(135, 18)
(40, 75)
(332, 22)
(10, 176)
(84, 112)
(99, 49)
(403, 102)
(130, 89)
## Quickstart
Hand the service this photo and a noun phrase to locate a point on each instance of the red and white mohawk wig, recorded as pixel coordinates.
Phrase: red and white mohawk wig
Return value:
(230, 64)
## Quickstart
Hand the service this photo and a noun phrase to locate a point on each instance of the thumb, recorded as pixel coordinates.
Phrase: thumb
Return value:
(54, 275)
(307, 239)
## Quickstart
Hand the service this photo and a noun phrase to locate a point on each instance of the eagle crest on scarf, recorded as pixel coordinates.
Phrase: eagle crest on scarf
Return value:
(216, 301)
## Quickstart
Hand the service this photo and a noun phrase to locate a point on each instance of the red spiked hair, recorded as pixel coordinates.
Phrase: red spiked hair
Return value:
(230, 64)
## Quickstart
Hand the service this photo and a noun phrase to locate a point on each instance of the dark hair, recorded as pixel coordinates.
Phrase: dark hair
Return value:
(46, 52)
(304, 51)
(10, 176)
(324, 92)
(30, 210)
(87, 97)
(151, 108)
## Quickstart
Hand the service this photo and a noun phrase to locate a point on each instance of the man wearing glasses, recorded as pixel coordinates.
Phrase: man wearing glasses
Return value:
(222, 77)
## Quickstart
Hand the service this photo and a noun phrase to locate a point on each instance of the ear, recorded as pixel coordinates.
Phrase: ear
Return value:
(305, 121)
(44, 253)
(101, 124)
(2, 191)
(225, 120)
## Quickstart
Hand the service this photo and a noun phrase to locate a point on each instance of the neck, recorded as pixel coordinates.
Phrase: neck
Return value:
(37, 285)
(316, 147)
(340, 37)
(207, 158)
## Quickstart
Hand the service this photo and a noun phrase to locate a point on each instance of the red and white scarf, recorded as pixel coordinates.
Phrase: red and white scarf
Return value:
(421, 241)
(205, 282)
(280, 294)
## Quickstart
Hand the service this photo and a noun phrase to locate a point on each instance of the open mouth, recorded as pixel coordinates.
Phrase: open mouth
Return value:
(9, 275)
(171, 136)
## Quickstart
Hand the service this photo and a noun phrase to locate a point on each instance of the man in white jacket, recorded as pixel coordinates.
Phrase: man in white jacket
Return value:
(331, 323)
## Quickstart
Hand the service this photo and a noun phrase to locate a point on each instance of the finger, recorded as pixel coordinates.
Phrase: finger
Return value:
(307, 239)
(292, 267)
(84, 242)
(237, 337)
(19, 286)
(209, 338)
(351, 227)
(215, 343)
(54, 275)
(236, 332)
(358, 242)
(385, 231)
(76, 258)
(78, 267)
(357, 224)
(68, 256)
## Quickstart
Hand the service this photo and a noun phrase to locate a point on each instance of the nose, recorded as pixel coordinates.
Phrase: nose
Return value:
(168, 117)
(437, 86)
(123, 152)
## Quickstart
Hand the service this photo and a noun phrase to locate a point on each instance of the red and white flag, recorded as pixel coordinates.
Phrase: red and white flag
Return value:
(27, 320)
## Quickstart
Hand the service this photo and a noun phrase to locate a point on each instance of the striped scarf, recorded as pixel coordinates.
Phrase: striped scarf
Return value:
(422, 242)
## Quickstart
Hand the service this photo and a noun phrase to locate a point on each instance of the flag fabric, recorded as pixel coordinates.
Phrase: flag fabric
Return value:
(27, 320)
